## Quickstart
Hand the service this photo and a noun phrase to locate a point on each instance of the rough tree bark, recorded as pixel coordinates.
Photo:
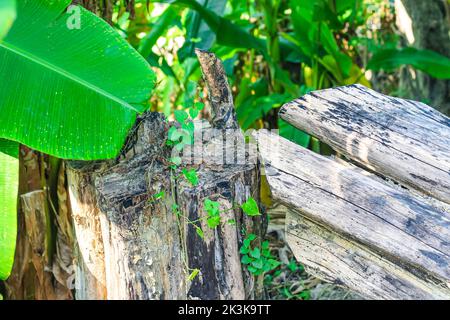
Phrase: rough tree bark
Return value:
(131, 246)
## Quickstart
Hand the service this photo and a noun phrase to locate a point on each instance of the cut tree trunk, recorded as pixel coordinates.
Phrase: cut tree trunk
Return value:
(131, 245)
(43, 260)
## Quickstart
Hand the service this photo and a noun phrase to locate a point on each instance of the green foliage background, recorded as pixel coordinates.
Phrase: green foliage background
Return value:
(273, 50)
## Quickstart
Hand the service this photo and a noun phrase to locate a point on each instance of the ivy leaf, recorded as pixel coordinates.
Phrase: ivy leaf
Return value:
(246, 259)
(267, 267)
(244, 250)
(231, 222)
(173, 134)
(188, 129)
(199, 106)
(181, 116)
(251, 236)
(257, 264)
(250, 207)
(193, 113)
(274, 263)
(213, 222)
(191, 176)
(292, 266)
(256, 253)
(254, 270)
(212, 207)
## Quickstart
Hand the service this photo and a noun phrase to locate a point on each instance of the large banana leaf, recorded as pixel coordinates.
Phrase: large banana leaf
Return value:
(197, 29)
(9, 180)
(69, 86)
(227, 33)
(428, 61)
(68, 91)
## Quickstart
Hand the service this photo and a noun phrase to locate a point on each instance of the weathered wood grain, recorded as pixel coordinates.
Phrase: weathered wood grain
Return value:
(405, 140)
(336, 259)
(391, 222)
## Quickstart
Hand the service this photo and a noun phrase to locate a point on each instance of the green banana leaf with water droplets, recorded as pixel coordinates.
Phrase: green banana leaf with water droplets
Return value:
(70, 86)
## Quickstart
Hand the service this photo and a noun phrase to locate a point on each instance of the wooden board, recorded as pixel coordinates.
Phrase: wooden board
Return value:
(405, 140)
(389, 222)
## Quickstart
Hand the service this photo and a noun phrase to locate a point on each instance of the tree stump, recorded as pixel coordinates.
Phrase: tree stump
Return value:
(131, 246)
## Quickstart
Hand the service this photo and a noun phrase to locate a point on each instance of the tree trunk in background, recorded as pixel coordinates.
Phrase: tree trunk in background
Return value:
(428, 28)
(131, 246)
(43, 260)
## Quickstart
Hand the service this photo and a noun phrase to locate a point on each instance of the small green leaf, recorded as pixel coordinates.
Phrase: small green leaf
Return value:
(267, 267)
(159, 195)
(274, 263)
(246, 259)
(199, 106)
(194, 274)
(257, 264)
(191, 176)
(212, 207)
(181, 116)
(173, 134)
(251, 236)
(213, 222)
(250, 207)
(254, 270)
(292, 266)
(256, 253)
(193, 113)
(231, 222)
(244, 250)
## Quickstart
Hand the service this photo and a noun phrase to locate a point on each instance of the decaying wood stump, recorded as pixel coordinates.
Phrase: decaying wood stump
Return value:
(132, 246)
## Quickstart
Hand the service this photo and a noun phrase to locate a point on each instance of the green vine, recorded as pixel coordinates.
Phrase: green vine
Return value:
(257, 259)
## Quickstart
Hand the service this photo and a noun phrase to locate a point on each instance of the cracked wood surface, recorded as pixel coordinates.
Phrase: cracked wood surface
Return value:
(405, 140)
(351, 226)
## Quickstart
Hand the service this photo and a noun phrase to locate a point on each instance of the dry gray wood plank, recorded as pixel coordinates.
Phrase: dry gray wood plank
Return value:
(333, 258)
(405, 140)
(392, 222)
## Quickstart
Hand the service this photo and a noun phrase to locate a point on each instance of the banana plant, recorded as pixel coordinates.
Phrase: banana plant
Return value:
(71, 87)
